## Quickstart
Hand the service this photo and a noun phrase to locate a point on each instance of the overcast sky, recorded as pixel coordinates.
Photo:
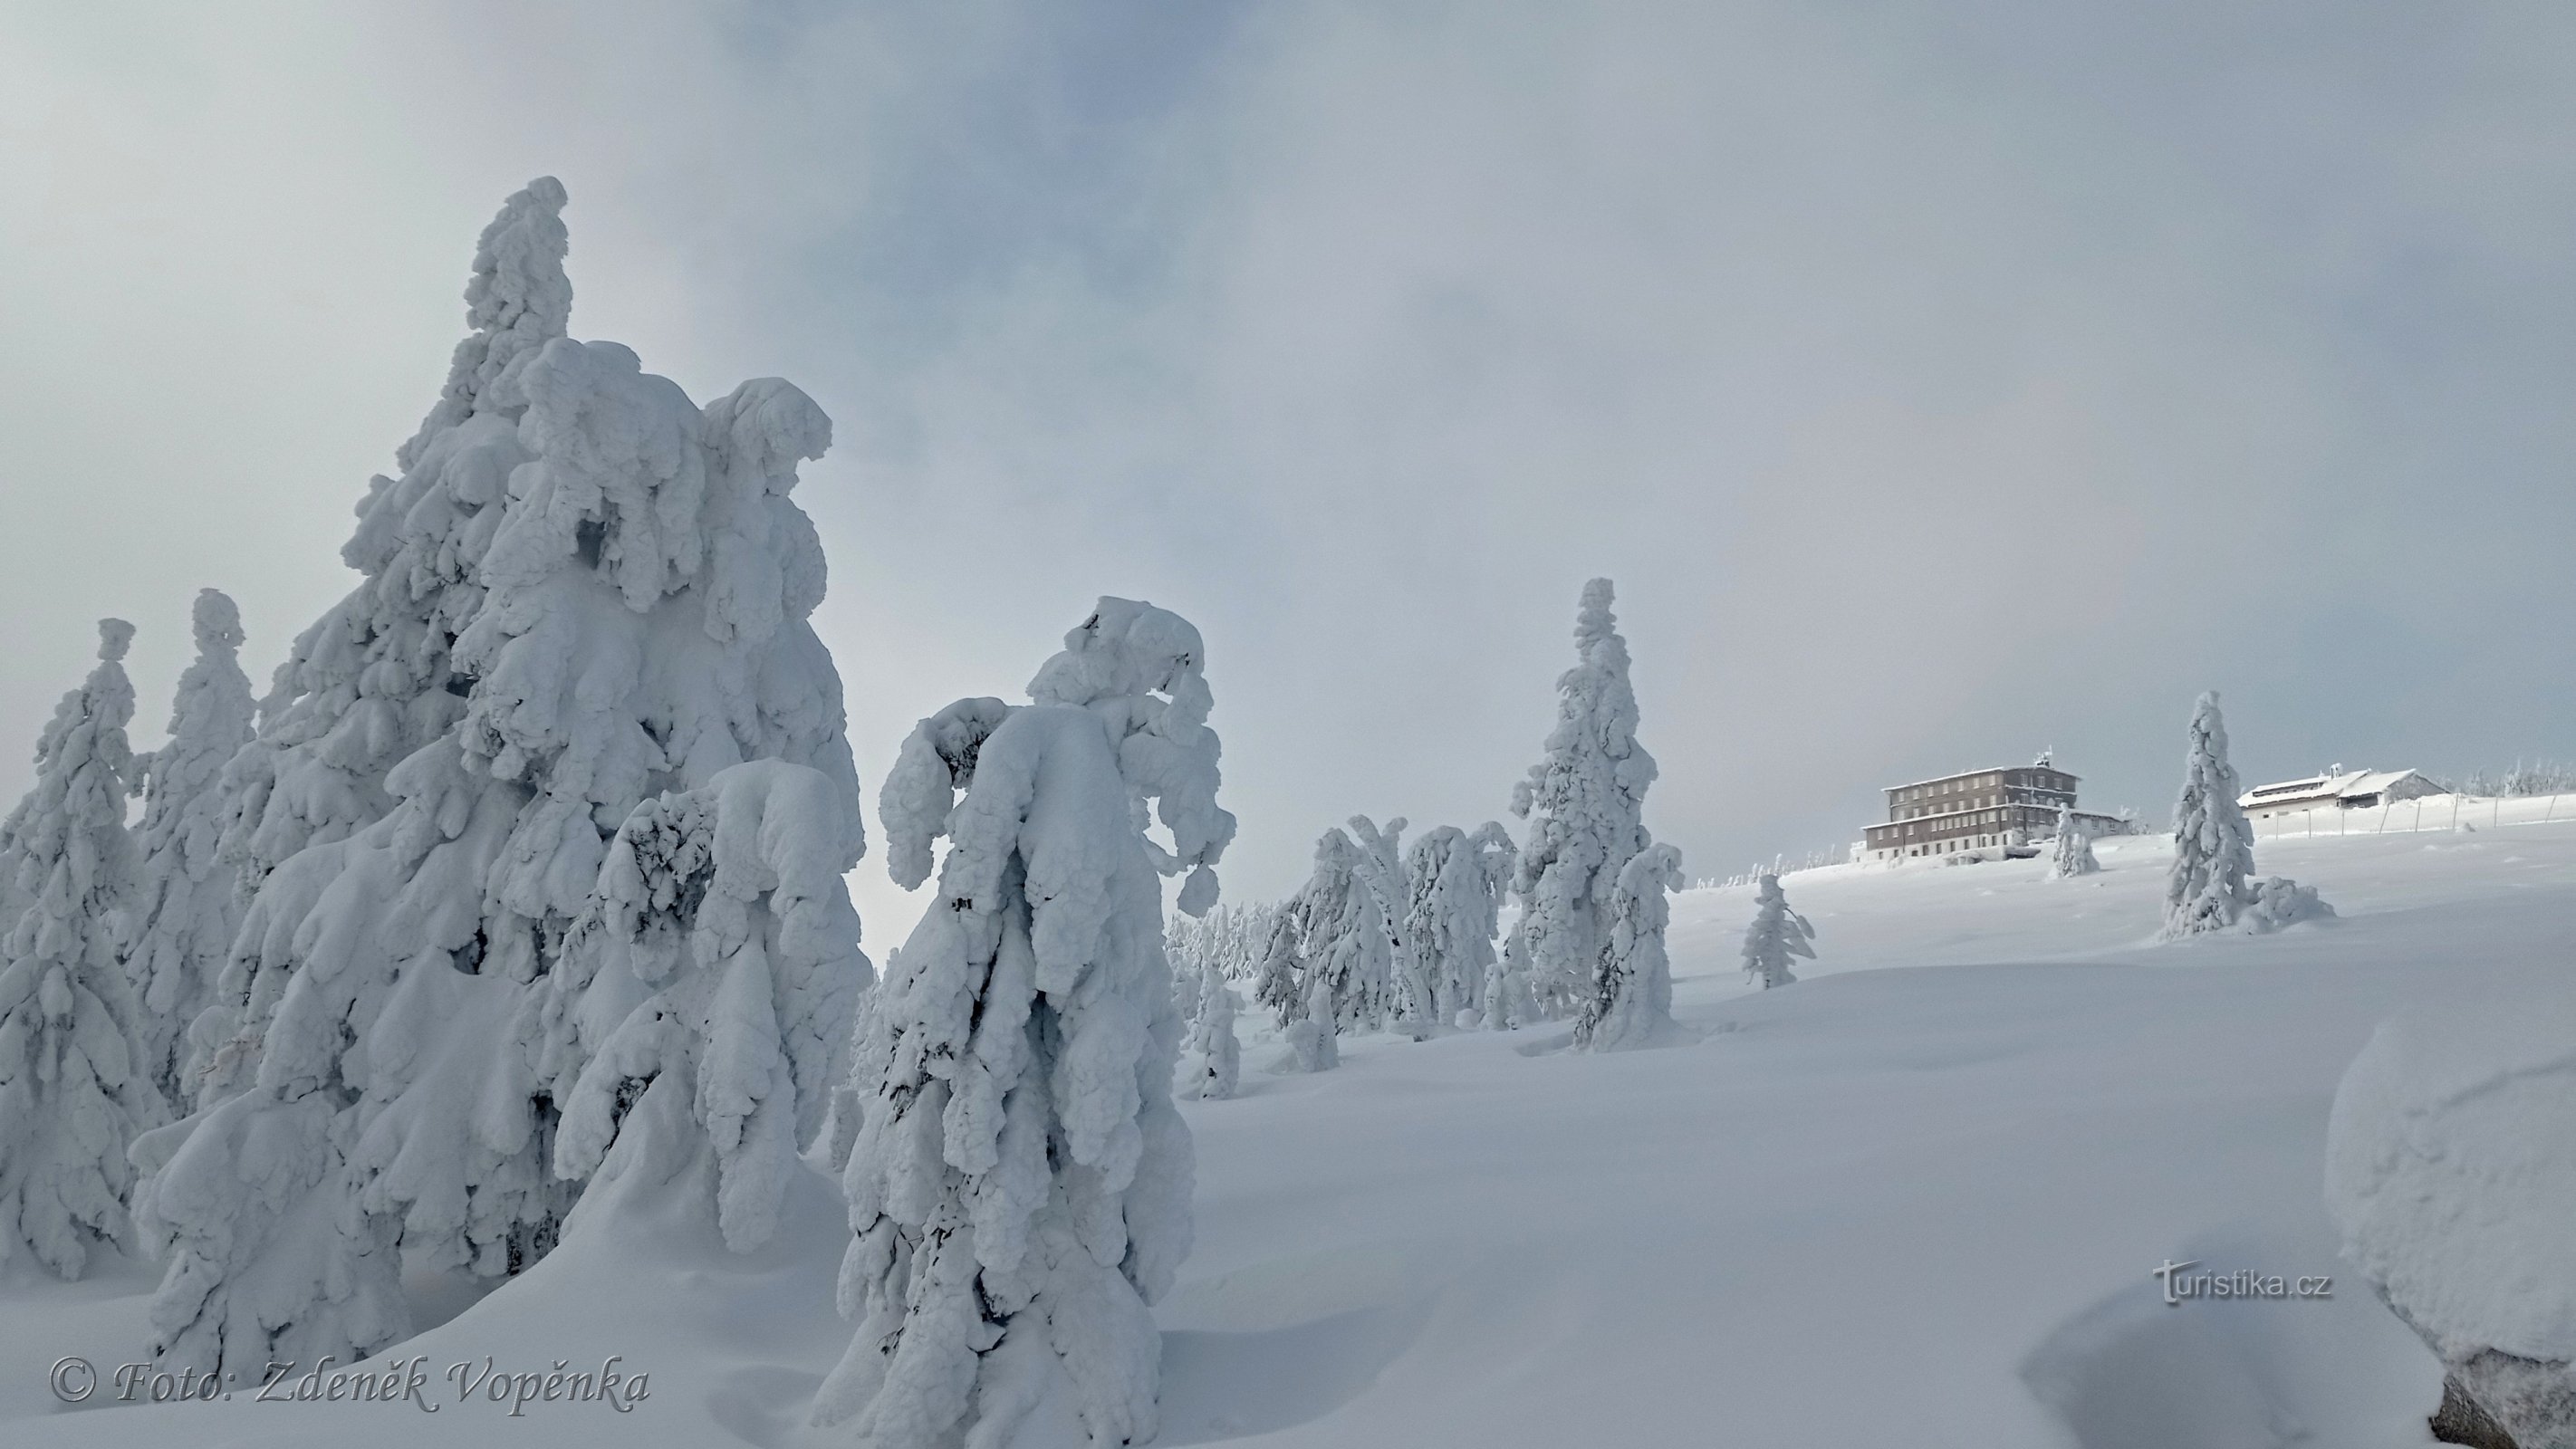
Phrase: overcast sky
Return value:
(1939, 381)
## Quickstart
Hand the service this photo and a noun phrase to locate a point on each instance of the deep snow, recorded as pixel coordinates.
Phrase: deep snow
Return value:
(1915, 1207)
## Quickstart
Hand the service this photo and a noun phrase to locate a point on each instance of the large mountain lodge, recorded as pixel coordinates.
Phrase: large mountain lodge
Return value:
(1979, 810)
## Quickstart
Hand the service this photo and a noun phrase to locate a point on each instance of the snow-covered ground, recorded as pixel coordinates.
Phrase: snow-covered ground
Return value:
(1883, 1207)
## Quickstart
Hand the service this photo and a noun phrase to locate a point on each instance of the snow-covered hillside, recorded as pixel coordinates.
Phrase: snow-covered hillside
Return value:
(1916, 1199)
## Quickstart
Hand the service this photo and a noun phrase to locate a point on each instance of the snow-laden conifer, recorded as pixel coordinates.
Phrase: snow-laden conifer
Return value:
(2213, 842)
(1584, 801)
(1297, 995)
(372, 680)
(626, 586)
(704, 1001)
(1349, 940)
(1412, 996)
(1776, 935)
(1213, 1062)
(1632, 986)
(1458, 882)
(2072, 852)
(74, 1088)
(1019, 1191)
(187, 900)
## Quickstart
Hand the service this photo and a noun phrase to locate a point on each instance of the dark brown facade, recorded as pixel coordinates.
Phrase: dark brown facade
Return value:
(1973, 811)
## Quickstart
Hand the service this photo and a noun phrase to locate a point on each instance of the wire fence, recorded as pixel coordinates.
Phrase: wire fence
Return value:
(2424, 812)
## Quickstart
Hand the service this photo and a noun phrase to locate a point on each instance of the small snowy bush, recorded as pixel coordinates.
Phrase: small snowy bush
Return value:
(74, 1086)
(1020, 1185)
(2276, 901)
(1584, 801)
(1776, 935)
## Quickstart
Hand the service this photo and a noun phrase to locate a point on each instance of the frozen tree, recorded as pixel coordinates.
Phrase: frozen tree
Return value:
(1411, 995)
(1214, 1060)
(1632, 986)
(187, 901)
(704, 1001)
(1777, 934)
(2213, 843)
(1584, 801)
(2072, 855)
(1299, 996)
(1350, 943)
(1458, 882)
(74, 1088)
(1019, 1190)
(372, 680)
(595, 596)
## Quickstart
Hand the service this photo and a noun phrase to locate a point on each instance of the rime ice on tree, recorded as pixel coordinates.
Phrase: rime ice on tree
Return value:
(2212, 886)
(1458, 882)
(1296, 993)
(2213, 842)
(371, 681)
(1354, 951)
(1214, 1061)
(1776, 935)
(74, 1088)
(704, 1001)
(584, 593)
(2072, 853)
(1584, 801)
(1632, 1000)
(1020, 1188)
(187, 900)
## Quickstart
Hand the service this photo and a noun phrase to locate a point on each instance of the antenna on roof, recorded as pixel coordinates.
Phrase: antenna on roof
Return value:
(2046, 758)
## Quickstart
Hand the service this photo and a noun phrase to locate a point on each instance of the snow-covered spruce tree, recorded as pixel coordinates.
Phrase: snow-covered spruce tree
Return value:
(1458, 882)
(187, 900)
(702, 1006)
(1584, 801)
(1019, 1191)
(2072, 854)
(73, 1086)
(1632, 987)
(1214, 1061)
(371, 681)
(639, 584)
(1279, 974)
(2213, 843)
(1777, 934)
(1296, 994)
(1412, 997)
(1348, 942)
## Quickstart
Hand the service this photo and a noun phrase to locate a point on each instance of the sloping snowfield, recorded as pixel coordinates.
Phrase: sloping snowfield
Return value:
(1914, 1200)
